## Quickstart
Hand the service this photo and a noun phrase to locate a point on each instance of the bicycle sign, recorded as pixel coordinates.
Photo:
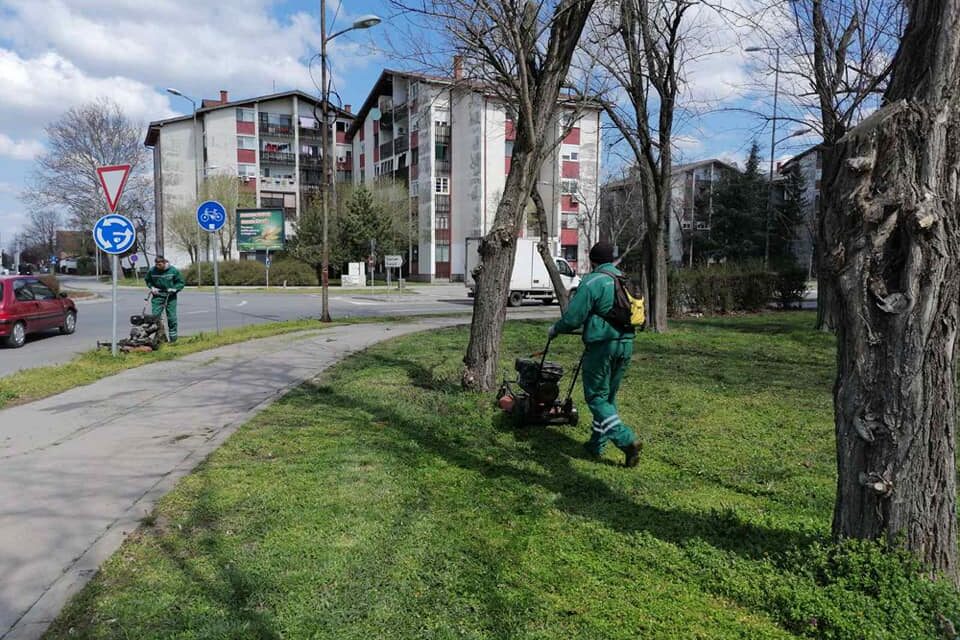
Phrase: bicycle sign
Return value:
(211, 216)
(114, 233)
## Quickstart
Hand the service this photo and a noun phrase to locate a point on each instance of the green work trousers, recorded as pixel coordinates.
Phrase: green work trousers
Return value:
(156, 304)
(604, 364)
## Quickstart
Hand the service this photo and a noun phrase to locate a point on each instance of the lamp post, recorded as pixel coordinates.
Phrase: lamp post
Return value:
(364, 22)
(197, 156)
(773, 146)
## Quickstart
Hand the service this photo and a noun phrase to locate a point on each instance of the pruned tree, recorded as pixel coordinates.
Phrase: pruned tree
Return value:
(41, 230)
(891, 233)
(619, 217)
(92, 135)
(641, 45)
(520, 52)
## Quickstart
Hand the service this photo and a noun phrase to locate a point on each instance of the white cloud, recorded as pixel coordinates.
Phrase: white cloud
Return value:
(18, 150)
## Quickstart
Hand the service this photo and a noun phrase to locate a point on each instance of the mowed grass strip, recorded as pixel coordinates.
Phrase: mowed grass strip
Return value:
(383, 502)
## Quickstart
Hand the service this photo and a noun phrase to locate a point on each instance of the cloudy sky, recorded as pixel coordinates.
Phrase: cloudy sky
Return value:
(55, 54)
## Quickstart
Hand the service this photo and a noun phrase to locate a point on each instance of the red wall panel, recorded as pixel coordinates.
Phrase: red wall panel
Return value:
(571, 169)
(573, 137)
(567, 203)
(568, 237)
(246, 155)
(511, 132)
(246, 128)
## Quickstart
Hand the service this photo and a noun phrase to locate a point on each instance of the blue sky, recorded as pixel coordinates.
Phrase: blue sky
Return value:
(55, 54)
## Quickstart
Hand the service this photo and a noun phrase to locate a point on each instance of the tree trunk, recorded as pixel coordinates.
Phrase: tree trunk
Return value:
(655, 278)
(543, 248)
(497, 251)
(892, 206)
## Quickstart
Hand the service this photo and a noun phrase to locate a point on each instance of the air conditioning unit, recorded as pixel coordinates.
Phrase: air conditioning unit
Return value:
(246, 178)
(685, 224)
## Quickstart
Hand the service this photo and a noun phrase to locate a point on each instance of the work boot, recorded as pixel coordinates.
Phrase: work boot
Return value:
(590, 453)
(632, 452)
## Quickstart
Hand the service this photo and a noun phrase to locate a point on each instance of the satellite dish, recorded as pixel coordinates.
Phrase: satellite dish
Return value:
(375, 114)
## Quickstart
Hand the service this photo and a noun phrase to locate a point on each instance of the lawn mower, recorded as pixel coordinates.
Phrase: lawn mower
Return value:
(533, 398)
(147, 330)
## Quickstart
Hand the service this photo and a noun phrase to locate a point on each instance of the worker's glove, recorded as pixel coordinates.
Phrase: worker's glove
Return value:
(552, 332)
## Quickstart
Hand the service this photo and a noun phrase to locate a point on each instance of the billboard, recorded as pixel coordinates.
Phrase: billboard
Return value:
(259, 229)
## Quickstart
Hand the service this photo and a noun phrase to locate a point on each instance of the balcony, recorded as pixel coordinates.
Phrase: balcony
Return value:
(310, 161)
(310, 133)
(442, 167)
(280, 157)
(277, 183)
(282, 130)
(401, 144)
(386, 150)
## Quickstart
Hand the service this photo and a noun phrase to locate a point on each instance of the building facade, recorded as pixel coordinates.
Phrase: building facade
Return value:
(451, 144)
(809, 167)
(691, 202)
(271, 144)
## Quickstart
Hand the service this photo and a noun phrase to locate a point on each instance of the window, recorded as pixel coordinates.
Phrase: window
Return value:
(443, 222)
(568, 187)
(443, 253)
(414, 89)
(42, 291)
(573, 155)
(247, 170)
(564, 268)
(245, 115)
(570, 152)
(21, 291)
(508, 149)
(246, 142)
(442, 185)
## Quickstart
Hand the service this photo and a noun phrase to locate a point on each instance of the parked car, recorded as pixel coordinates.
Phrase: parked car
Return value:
(28, 305)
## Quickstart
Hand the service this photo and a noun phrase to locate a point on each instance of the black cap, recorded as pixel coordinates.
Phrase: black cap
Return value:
(159, 259)
(601, 253)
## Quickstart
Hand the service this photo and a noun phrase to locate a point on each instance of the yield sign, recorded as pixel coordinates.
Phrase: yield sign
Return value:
(113, 179)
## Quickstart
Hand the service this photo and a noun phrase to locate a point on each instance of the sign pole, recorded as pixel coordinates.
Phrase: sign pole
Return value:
(216, 279)
(114, 260)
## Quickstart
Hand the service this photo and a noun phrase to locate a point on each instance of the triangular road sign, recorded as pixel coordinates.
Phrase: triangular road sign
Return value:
(113, 179)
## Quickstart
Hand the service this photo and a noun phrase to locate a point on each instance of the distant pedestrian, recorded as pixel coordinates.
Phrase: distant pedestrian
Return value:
(606, 354)
(165, 283)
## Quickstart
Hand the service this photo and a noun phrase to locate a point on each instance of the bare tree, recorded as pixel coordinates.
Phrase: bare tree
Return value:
(182, 229)
(519, 51)
(837, 60)
(891, 215)
(84, 138)
(641, 45)
(618, 217)
(225, 189)
(41, 230)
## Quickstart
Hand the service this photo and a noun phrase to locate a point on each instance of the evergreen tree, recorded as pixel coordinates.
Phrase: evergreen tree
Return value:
(739, 213)
(787, 222)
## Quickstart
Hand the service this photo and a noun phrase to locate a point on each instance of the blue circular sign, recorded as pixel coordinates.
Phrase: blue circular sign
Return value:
(114, 234)
(211, 216)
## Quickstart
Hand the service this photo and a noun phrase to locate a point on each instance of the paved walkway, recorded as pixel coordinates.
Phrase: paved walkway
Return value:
(79, 470)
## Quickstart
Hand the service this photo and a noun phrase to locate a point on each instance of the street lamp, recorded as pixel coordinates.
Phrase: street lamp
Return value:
(773, 146)
(363, 22)
(197, 155)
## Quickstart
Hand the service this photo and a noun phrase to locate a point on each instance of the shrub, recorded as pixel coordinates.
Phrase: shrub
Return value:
(721, 289)
(791, 285)
(248, 273)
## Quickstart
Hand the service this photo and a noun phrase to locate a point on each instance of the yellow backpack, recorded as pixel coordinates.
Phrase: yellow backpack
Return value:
(628, 311)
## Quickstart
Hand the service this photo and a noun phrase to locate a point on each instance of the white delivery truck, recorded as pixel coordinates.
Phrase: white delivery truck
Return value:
(529, 278)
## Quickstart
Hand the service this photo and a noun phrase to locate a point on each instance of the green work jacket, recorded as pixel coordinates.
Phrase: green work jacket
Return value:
(168, 280)
(593, 299)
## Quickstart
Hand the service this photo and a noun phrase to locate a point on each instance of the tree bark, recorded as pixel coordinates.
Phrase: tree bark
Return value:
(543, 248)
(893, 260)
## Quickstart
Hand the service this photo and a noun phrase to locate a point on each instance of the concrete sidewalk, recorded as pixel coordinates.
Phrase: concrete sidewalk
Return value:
(79, 470)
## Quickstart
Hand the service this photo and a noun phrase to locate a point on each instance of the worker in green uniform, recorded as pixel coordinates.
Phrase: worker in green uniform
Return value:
(606, 355)
(165, 283)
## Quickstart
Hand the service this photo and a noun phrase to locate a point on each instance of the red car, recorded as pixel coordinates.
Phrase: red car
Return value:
(27, 305)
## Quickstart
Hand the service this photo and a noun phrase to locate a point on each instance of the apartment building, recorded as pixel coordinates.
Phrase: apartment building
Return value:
(450, 142)
(692, 187)
(270, 143)
(809, 167)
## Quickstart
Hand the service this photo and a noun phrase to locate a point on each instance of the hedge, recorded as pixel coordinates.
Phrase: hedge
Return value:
(239, 273)
(729, 288)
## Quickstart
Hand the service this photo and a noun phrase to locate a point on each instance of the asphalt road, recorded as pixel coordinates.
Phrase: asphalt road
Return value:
(237, 309)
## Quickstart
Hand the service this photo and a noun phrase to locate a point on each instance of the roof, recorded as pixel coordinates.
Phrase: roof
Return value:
(800, 156)
(675, 170)
(384, 85)
(153, 129)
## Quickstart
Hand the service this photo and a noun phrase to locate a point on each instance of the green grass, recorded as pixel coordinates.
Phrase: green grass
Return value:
(88, 367)
(383, 502)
